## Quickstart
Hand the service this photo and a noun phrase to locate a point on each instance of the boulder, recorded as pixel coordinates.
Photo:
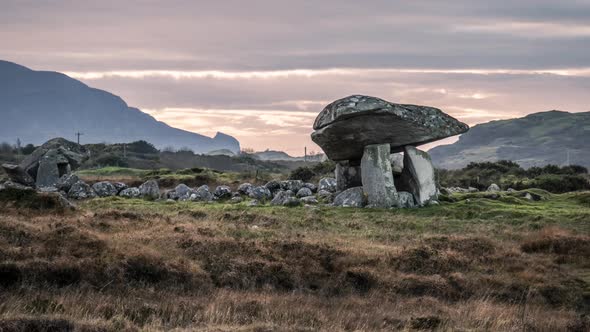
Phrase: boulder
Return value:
(405, 199)
(281, 197)
(418, 175)
(328, 184)
(81, 190)
(346, 126)
(202, 194)
(150, 190)
(132, 192)
(293, 185)
(304, 192)
(104, 189)
(67, 181)
(14, 185)
(348, 175)
(493, 187)
(119, 186)
(222, 192)
(236, 199)
(182, 192)
(273, 186)
(351, 197)
(245, 188)
(260, 193)
(311, 187)
(18, 175)
(292, 202)
(377, 176)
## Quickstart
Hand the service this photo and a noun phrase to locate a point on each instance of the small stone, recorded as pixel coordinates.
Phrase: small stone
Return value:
(202, 194)
(293, 185)
(328, 184)
(150, 189)
(182, 192)
(222, 192)
(119, 186)
(261, 193)
(406, 199)
(81, 190)
(235, 200)
(132, 192)
(245, 188)
(304, 192)
(253, 202)
(104, 189)
(311, 187)
(493, 187)
(67, 181)
(326, 196)
(310, 200)
(273, 186)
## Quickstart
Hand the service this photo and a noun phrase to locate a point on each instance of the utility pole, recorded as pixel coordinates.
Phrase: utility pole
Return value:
(78, 134)
(305, 157)
(124, 150)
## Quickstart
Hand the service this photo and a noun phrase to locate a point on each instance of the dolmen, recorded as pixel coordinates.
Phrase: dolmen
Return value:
(363, 134)
(43, 168)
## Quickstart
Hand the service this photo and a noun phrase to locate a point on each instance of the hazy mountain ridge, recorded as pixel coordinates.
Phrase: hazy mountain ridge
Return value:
(552, 137)
(36, 106)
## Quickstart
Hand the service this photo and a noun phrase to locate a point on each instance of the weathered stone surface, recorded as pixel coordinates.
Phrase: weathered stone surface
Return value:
(405, 199)
(397, 163)
(273, 186)
(304, 192)
(18, 174)
(311, 187)
(253, 202)
(67, 181)
(132, 192)
(328, 184)
(281, 197)
(104, 189)
(418, 175)
(245, 188)
(14, 185)
(183, 192)
(119, 186)
(236, 199)
(493, 187)
(348, 175)
(202, 194)
(347, 125)
(291, 202)
(377, 176)
(260, 193)
(352, 197)
(48, 171)
(81, 190)
(293, 185)
(150, 189)
(222, 192)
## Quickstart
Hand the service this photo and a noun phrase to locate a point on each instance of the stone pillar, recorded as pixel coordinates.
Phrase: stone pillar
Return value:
(377, 176)
(48, 172)
(418, 175)
(348, 174)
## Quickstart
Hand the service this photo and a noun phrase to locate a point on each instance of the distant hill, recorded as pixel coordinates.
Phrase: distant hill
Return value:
(272, 155)
(553, 137)
(36, 106)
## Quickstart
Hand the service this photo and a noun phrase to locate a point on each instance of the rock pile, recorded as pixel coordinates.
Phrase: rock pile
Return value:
(364, 135)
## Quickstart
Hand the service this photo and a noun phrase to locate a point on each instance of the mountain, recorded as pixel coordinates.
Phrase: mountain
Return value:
(553, 137)
(36, 106)
(273, 155)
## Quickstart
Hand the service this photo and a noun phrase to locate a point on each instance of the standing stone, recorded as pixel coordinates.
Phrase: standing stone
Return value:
(418, 175)
(150, 189)
(48, 171)
(377, 176)
(348, 175)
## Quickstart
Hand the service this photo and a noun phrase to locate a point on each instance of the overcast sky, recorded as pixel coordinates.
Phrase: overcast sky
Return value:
(261, 70)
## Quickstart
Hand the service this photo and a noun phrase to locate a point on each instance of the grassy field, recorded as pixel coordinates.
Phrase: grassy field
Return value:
(474, 264)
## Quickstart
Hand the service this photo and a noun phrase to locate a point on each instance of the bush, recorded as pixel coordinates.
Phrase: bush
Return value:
(303, 173)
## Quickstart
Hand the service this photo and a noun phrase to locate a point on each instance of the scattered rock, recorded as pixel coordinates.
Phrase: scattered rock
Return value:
(352, 197)
(377, 176)
(18, 175)
(222, 192)
(328, 184)
(326, 196)
(119, 186)
(132, 192)
(104, 189)
(418, 175)
(293, 185)
(81, 190)
(273, 186)
(260, 193)
(281, 197)
(202, 194)
(236, 199)
(304, 192)
(311, 187)
(150, 190)
(291, 202)
(245, 188)
(67, 181)
(253, 202)
(511, 190)
(493, 187)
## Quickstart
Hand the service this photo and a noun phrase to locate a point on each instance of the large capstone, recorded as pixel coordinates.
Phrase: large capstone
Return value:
(348, 175)
(418, 175)
(346, 126)
(377, 176)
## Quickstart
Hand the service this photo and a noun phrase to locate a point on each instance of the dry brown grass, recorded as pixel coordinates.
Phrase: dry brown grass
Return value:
(128, 269)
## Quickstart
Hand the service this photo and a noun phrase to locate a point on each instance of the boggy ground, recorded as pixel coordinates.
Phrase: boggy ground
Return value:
(504, 264)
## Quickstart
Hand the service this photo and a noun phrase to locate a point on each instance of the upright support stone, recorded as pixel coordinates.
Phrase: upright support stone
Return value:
(48, 172)
(348, 175)
(377, 176)
(418, 175)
